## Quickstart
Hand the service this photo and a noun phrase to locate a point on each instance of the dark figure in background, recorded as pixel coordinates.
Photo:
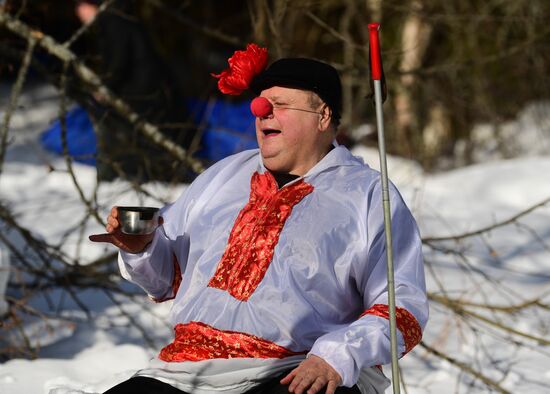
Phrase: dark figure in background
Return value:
(130, 67)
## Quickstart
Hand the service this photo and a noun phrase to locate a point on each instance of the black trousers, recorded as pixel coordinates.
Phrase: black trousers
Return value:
(143, 385)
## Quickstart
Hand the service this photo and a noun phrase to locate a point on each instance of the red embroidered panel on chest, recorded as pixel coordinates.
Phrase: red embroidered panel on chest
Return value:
(255, 233)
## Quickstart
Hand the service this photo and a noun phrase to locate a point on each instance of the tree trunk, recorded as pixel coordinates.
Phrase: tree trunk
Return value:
(414, 42)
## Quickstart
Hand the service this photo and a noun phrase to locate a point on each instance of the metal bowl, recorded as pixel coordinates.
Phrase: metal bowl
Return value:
(138, 220)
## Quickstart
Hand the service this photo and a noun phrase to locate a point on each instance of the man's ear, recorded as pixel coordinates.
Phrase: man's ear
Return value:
(325, 116)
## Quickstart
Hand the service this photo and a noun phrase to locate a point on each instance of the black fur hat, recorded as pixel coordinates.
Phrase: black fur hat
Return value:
(303, 73)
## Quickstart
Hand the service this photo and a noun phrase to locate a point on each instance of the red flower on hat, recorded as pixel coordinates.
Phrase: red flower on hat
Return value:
(243, 66)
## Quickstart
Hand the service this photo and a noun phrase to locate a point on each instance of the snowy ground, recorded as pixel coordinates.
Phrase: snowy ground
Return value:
(511, 264)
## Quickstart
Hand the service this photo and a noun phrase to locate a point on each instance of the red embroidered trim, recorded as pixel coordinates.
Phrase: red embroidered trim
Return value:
(255, 233)
(406, 323)
(176, 282)
(197, 341)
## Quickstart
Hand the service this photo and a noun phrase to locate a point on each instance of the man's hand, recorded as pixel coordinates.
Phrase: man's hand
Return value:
(126, 242)
(312, 375)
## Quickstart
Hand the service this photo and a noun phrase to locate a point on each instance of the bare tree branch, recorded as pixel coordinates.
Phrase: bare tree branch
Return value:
(465, 367)
(464, 312)
(488, 228)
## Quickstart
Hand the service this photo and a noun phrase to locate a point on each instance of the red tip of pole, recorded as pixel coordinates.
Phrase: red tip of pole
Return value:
(261, 107)
(375, 59)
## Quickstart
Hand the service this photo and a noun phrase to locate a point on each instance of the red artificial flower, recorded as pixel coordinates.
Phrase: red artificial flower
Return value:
(243, 66)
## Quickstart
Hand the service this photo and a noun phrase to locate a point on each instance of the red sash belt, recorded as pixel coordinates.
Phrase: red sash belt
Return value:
(197, 341)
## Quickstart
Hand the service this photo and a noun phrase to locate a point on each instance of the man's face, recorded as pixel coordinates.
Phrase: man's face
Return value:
(86, 12)
(291, 141)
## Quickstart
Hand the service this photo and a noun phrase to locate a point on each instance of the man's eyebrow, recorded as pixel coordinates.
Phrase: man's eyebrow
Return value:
(279, 98)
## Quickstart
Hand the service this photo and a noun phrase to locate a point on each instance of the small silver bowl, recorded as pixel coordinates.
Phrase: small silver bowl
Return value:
(138, 220)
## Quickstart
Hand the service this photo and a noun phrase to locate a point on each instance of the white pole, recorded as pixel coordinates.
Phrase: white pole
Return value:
(376, 65)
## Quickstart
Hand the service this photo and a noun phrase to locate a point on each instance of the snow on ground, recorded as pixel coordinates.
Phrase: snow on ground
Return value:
(90, 355)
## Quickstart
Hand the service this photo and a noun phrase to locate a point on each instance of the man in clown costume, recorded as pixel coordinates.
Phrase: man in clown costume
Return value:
(275, 258)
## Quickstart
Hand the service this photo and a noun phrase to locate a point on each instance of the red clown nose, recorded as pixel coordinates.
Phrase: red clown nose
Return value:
(261, 107)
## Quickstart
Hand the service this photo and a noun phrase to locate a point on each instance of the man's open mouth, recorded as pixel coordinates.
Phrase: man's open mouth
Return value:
(268, 132)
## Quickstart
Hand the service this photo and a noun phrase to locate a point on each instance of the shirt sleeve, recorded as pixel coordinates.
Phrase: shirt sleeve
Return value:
(158, 270)
(153, 269)
(365, 342)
